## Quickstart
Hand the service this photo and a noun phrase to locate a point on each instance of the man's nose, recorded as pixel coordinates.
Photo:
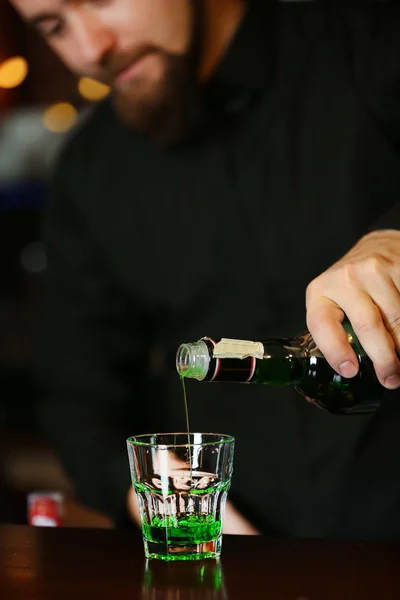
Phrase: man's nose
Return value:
(95, 41)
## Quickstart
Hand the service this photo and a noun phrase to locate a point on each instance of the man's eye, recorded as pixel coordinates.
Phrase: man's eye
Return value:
(51, 31)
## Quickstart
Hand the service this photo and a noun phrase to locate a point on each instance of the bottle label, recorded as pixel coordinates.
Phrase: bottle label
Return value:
(227, 348)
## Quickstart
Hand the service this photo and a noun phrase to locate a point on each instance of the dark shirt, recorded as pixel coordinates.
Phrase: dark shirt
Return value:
(294, 158)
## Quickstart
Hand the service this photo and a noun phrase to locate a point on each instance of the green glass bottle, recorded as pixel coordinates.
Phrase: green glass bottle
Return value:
(296, 363)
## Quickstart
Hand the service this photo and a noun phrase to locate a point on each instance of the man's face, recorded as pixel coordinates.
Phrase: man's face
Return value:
(146, 50)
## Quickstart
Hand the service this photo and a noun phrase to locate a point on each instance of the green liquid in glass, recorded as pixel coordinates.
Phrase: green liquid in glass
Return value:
(183, 535)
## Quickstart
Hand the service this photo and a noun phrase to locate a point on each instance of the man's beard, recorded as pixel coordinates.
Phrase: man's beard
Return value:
(169, 113)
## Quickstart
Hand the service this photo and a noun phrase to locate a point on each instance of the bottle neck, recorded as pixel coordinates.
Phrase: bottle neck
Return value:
(282, 363)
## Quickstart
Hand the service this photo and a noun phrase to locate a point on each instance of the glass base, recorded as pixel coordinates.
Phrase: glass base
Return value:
(170, 552)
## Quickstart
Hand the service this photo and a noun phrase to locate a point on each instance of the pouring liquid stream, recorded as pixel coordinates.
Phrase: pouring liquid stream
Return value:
(187, 426)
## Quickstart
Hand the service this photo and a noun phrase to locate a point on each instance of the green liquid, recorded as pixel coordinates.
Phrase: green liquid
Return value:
(177, 539)
(190, 530)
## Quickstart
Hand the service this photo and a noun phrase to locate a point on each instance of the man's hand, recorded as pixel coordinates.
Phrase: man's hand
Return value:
(234, 522)
(364, 285)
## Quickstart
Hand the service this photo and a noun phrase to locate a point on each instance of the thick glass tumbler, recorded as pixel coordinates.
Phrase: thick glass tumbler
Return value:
(182, 481)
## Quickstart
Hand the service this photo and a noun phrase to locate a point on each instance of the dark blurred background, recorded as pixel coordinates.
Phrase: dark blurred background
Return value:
(40, 102)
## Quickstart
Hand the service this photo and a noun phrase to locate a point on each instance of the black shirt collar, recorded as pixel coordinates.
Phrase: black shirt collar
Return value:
(245, 64)
(244, 69)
